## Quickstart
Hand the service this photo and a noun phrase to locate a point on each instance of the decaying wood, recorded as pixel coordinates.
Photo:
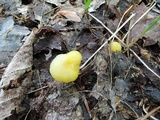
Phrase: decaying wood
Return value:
(16, 79)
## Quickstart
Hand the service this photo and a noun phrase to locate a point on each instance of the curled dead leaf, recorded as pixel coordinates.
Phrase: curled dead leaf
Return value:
(70, 15)
(16, 78)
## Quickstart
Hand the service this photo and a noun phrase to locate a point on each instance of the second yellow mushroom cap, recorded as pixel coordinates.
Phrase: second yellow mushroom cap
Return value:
(115, 46)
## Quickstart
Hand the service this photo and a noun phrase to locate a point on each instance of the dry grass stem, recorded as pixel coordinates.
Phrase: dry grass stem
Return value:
(131, 7)
(130, 108)
(113, 35)
(149, 114)
(37, 89)
(144, 63)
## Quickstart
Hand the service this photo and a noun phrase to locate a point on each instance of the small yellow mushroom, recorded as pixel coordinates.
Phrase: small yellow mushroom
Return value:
(65, 67)
(115, 47)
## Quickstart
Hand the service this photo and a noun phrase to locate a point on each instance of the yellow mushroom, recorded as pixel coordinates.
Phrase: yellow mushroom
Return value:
(65, 67)
(115, 47)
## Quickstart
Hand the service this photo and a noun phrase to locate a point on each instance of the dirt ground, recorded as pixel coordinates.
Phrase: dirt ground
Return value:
(123, 85)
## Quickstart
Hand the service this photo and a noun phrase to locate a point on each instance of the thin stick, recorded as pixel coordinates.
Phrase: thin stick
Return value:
(87, 106)
(150, 113)
(124, 15)
(113, 35)
(119, 39)
(27, 114)
(130, 108)
(37, 89)
(144, 109)
(95, 92)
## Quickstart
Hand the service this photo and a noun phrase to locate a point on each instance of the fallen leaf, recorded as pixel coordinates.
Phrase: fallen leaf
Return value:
(7, 26)
(70, 15)
(139, 27)
(23, 10)
(120, 88)
(53, 39)
(56, 2)
(154, 79)
(16, 78)
(152, 36)
(11, 37)
(95, 4)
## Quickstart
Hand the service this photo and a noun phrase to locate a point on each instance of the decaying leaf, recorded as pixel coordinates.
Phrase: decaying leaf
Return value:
(152, 36)
(53, 40)
(139, 27)
(7, 26)
(16, 79)
(62, 106)
(70, 15)
(95, 4)
(10, 37)
(56, 2)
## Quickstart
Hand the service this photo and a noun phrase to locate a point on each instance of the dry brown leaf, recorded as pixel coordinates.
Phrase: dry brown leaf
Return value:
(152, 36)
(140, 26)
(16, 79)
(95, 4)
(70, 15)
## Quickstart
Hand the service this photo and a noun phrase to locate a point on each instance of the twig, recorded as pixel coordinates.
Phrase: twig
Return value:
(111, 71)
(87, 106)
(39, 79)
(130, 108)
(27, 114)
(149, 114)
(124, 15)
(95, 92)
(113, 35)
(37, 89)
(155, 10)
(118, 38)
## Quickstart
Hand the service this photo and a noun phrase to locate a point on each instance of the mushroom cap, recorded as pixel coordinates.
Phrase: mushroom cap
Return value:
(65, 67)
(115, 46)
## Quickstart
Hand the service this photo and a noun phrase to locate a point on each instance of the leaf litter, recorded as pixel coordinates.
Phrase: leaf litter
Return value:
(110, 86)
